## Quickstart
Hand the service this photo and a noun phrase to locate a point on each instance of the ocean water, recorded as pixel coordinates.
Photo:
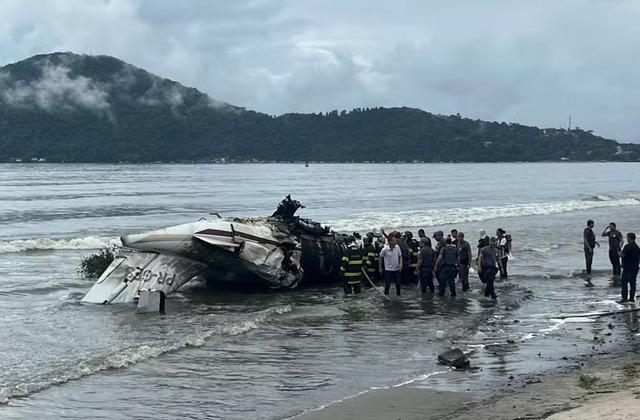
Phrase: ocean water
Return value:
(231, 354)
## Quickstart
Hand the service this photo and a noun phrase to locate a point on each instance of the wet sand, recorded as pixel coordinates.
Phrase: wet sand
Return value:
(395, 403)
(558, 396)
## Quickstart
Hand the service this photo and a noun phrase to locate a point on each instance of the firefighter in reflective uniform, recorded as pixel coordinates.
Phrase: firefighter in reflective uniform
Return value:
(351, 268)
(371, 259)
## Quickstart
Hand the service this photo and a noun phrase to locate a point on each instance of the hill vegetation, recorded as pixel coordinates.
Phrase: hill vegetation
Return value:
(64, 107)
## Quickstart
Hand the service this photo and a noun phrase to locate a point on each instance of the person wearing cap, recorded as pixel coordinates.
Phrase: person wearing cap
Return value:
(351, 267)
(488, 266)
(426, 263)
(447, 267)
(438, 235)
(464, 261)
(483, 241)
(391, 264)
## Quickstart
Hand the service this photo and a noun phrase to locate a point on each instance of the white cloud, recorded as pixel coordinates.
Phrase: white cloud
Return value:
(55, 89)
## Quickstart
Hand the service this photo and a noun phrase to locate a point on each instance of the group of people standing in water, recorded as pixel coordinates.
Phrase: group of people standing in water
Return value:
(624, 258)
(399, 258)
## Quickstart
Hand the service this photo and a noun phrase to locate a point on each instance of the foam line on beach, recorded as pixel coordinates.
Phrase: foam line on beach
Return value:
(438, 217)
(338, 401)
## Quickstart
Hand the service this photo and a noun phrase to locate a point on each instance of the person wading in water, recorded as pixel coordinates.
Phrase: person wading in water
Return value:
(589, 242)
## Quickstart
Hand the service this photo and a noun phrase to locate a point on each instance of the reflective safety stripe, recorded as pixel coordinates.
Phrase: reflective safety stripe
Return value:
(353, 274)
(355, 262)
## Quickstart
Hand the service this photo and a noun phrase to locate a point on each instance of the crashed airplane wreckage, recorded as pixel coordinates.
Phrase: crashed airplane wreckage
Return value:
(280, 251)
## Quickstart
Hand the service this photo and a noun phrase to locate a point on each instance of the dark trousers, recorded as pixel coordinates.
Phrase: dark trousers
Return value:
(488, 276)
(503, 268)
(464, 276)
(392, 277)
(588, 259)
(352, 285)
(629, 276)
(407, 274)
(426, 280)
(446, 278)
(614, 257)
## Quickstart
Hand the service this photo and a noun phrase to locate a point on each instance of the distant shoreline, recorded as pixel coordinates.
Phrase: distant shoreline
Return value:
(311, 163)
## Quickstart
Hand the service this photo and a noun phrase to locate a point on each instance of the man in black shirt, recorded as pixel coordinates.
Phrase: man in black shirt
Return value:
(589, 241)
(403, 244)
(488, 266)
(426, 263)
(630, 262)
(615, 245)
(464, 259)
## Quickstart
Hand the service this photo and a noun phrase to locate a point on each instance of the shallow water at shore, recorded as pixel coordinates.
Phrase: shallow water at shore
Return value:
(222, 354)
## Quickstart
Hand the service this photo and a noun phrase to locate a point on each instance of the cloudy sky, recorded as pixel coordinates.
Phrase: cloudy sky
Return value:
(533, 62)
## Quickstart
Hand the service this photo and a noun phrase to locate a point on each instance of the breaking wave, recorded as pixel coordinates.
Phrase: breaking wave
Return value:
(439, 217)
(134, 354)
(88, 242)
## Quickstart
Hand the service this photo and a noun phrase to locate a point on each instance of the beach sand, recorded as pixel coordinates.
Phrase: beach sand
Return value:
(616, 406)
(615, 395)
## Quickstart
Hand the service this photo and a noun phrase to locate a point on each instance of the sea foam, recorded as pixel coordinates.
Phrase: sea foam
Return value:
(87, 242)
(438, 217)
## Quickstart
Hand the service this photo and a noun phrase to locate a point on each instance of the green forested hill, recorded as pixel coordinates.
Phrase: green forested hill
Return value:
(64, 107)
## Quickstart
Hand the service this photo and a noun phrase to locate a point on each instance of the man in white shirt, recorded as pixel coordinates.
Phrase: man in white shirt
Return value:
(391, 264)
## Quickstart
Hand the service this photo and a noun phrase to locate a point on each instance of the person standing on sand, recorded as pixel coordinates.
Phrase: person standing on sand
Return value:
(589, 242)
(615, 245)
(630, 262)
(391, 264)
(488, 266)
